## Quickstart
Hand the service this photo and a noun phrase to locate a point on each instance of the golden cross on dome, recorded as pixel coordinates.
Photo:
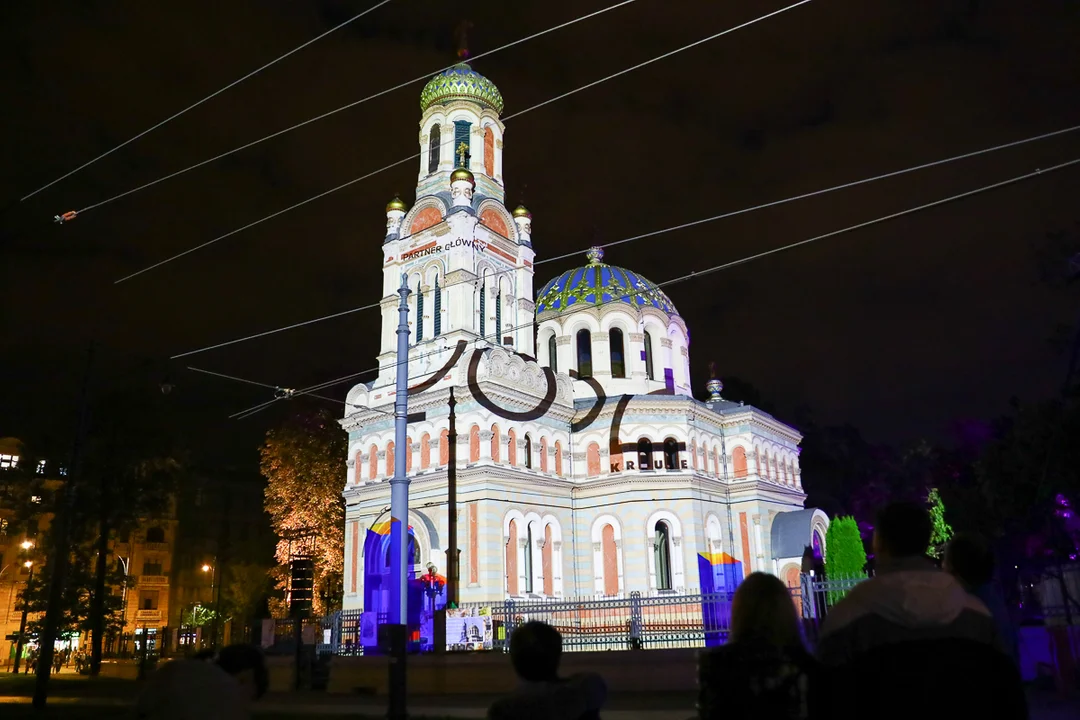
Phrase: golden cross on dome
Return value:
(462, 151)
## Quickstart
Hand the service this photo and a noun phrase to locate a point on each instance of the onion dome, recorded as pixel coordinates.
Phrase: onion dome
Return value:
(715, 387)
(462, 174)
(395, 205)
(521, 212)
(461, 82)
(599, 284)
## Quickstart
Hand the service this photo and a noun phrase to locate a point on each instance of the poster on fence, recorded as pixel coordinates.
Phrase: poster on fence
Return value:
(469, 629)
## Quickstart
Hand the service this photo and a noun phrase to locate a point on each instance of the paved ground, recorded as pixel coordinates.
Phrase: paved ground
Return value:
(79, 698)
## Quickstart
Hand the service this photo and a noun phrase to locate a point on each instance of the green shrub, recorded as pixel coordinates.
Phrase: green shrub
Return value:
(845, 556)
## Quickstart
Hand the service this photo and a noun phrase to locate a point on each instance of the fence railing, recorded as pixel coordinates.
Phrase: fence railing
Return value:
(633, 622)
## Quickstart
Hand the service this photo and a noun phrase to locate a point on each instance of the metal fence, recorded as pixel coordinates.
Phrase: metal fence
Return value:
(638, 621)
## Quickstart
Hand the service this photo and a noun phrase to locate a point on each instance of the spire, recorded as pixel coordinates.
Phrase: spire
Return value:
(461, 34)
(595, 255)
(462, 155)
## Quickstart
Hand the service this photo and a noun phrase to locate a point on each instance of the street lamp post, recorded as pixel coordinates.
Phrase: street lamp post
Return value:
(29, 564)
(212, 569)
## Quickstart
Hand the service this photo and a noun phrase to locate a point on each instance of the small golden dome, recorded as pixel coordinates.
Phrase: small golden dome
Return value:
(462, 174)
(396, 204)
(520, 211)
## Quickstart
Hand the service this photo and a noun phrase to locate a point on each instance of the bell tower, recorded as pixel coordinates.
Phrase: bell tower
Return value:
(468, 259)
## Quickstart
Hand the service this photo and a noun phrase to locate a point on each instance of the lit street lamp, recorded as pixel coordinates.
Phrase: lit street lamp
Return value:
(26, 545)
(212, 569)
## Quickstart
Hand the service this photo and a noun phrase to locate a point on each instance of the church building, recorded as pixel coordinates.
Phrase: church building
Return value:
(585, 466)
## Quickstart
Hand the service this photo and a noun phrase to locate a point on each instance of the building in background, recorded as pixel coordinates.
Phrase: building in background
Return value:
(146, 557)
(585, 466)
(21, 529)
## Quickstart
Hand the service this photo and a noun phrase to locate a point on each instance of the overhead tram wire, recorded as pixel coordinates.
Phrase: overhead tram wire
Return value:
(443, 144)
(211, 96)
(325, 115)
(653, 233)
(707, 271)
(254, 382)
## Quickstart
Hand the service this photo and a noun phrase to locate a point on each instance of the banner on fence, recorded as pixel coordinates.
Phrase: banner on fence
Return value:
(469, 630)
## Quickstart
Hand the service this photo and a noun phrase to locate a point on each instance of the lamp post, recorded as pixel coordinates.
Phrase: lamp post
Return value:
(29, 564)
(212, 569)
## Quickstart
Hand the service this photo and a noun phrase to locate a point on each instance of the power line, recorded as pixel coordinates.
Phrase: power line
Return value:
(211, 96)
(361, 101)
(277, 388)
(708, 271)
(653, 233)
(450, 141)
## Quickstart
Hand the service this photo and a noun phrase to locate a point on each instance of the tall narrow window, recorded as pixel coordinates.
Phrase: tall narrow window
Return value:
(489, 152)
(584, 353)
(610, 559)
(662, 556)
(671, 454)
(419, 312)
(528, 451)
(553, 354)
(644, 454)
(511, 559)
(434, 149)
(648, 357)
(618, 363)
(437, 310)
(483, 310)
(461, 137)
(498, 317)
(529, 558)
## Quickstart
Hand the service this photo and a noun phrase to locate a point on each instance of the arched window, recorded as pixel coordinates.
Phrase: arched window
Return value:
(609, 551)
(462, 136)
(155, 535)
(357, 464)
(693, 453)
(511, 559)
(547, 567)
(553, 354)
(592, 460)
(511, 447)
(489, 152)
(390, 459)
(437, 310)
(618, 362)
(648, 357)
(739, 459)
(662, 556)
(419, 312)
(496, 441)
(528, 451)
(483, 310)
(444, 447)
(558, 458)
(529, 558)
(644, 454)
(434, 148)
(543, 455)
(408, 455)
(474, 444)
(498, 317)
(373, 462)
(425, 451)
(671, 454)
(584, 353)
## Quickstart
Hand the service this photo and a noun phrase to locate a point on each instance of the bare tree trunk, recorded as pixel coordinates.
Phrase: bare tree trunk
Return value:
(97, 600)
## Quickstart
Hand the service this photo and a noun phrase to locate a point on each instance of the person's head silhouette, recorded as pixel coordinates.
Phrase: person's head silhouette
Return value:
(535, 650)
(903, 531)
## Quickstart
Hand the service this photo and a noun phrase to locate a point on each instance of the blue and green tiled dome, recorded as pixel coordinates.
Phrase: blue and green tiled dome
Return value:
(597, 284)
(461, 82)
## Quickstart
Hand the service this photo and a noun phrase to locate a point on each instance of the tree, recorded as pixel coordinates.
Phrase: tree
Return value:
(941, 530)
(245, 588)
(302, 462)
(845, 556)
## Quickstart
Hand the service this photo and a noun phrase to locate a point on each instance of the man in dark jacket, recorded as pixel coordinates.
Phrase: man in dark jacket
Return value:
(971, 561)
(909, 599)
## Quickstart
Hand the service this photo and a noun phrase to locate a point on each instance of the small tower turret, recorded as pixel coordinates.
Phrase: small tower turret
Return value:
(523, 220)
(395, 213)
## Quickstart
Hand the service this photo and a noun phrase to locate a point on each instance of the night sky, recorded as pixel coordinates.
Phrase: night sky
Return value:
(899, 329)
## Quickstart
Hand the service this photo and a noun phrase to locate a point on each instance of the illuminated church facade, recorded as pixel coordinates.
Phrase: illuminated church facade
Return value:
(585, 466)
